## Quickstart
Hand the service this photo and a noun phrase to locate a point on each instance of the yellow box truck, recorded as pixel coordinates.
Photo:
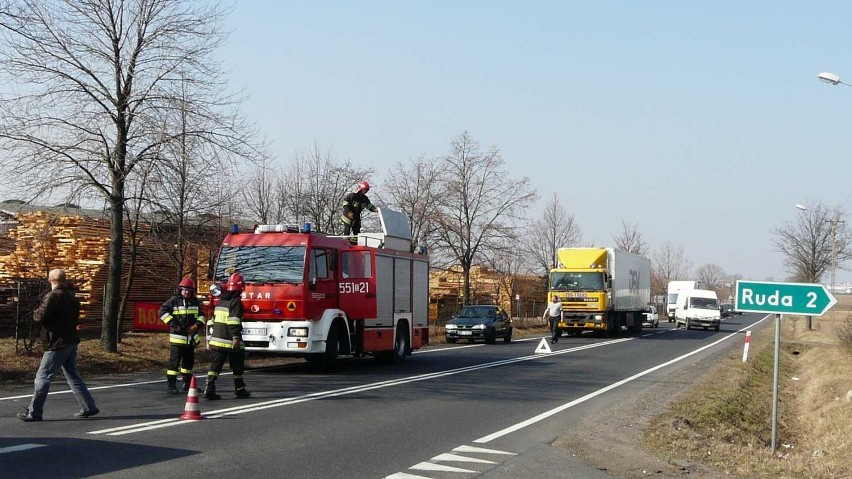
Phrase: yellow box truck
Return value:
(601, 289)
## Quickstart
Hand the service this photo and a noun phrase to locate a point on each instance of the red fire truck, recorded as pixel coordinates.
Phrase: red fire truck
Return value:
(319, 297)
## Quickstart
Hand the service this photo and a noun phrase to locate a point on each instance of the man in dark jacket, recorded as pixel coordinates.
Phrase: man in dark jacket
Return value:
(182, 312)
(226, 340)
(353, 204)
(58, 316)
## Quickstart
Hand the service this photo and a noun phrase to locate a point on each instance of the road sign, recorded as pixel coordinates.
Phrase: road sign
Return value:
(783, 298)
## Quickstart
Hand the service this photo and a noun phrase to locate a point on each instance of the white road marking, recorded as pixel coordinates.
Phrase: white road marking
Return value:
(457, 458)
(403, 475)
(20, 447)
(482, 450)
(612, 386)
(133, 428)
(428, 466)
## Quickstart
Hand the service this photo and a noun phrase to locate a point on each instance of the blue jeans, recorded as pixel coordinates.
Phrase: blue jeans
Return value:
(64, 358)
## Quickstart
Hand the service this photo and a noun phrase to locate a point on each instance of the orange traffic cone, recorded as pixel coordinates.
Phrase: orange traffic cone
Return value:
(191, 411)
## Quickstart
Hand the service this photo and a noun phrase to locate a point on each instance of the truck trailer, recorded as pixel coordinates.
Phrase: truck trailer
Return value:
(601, 289)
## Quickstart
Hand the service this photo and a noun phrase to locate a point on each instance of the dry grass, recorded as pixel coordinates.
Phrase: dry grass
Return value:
(147, 351)
(725, 422)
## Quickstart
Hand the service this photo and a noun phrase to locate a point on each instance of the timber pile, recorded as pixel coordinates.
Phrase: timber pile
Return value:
(80, 245)
(487, 286)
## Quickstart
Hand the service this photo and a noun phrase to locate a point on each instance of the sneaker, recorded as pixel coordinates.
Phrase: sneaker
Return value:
(85, 414)
(26, 417)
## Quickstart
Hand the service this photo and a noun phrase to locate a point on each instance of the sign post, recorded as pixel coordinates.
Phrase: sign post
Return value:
(781, 298)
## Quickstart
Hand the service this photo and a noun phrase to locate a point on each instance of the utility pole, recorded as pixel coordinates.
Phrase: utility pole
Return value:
(834, 222)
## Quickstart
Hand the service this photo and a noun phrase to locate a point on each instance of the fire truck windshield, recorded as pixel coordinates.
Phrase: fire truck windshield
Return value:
(262, 264)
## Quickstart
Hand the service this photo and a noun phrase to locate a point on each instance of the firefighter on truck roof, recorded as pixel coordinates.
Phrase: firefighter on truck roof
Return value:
(182, 313)
(353, 204)
(226, 340)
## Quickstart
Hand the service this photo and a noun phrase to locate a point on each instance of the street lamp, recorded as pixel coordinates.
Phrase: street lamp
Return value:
(832, 78)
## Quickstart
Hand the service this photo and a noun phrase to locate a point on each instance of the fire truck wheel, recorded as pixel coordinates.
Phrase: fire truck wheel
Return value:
(400, 346)
(327, 361)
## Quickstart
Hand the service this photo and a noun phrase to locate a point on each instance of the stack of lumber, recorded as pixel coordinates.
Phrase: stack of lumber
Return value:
(80, 245)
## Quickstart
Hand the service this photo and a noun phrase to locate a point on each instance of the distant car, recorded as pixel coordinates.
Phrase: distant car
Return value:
(726, 310)
(480, 322)
(651, 319)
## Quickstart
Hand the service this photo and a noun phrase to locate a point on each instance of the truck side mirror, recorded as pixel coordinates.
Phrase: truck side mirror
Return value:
(312, 284)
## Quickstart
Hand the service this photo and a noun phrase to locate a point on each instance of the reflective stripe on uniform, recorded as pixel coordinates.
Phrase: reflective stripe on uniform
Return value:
(178, 339)
(221, 343)
(166, 317)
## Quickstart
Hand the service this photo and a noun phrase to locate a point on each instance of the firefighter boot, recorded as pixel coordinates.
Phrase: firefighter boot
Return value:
(172, 385)
(187, 378)
(210, 389)
(240, 389)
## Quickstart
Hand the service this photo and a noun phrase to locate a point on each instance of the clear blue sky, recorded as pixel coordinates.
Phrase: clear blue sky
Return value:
(703, 123)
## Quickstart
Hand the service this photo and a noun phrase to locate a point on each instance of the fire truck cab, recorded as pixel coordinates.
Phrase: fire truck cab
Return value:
(319, 297)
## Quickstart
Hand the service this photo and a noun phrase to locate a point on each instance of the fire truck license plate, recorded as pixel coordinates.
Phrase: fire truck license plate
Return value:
(254, 331)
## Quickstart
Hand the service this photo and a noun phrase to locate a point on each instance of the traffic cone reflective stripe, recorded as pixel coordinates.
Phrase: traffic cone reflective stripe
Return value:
(191, 412)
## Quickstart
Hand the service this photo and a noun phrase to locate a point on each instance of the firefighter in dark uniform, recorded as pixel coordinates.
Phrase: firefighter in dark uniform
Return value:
(353, 204)
(226, 339)
(182, 313)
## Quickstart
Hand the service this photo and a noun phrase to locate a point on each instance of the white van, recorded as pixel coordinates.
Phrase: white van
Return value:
(697, 308)
(673, 289)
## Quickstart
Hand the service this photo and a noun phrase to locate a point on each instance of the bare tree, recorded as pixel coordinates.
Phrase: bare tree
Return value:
(260, 195)
(413, 188)
(97, 83)
(481, 204)
(669, 264)
(508, 263)
(313, 186)
(553, 230)
(713, 276)
(808, 241)
(630, 239)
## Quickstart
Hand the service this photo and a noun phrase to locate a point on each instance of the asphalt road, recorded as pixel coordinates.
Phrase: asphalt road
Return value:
(446, 412)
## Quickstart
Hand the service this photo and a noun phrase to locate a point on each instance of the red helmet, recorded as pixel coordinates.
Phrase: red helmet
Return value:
(187, 283)
(235, 283)
(363, 186)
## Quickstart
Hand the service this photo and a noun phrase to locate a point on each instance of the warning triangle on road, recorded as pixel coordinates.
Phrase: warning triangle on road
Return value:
(543, 347)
